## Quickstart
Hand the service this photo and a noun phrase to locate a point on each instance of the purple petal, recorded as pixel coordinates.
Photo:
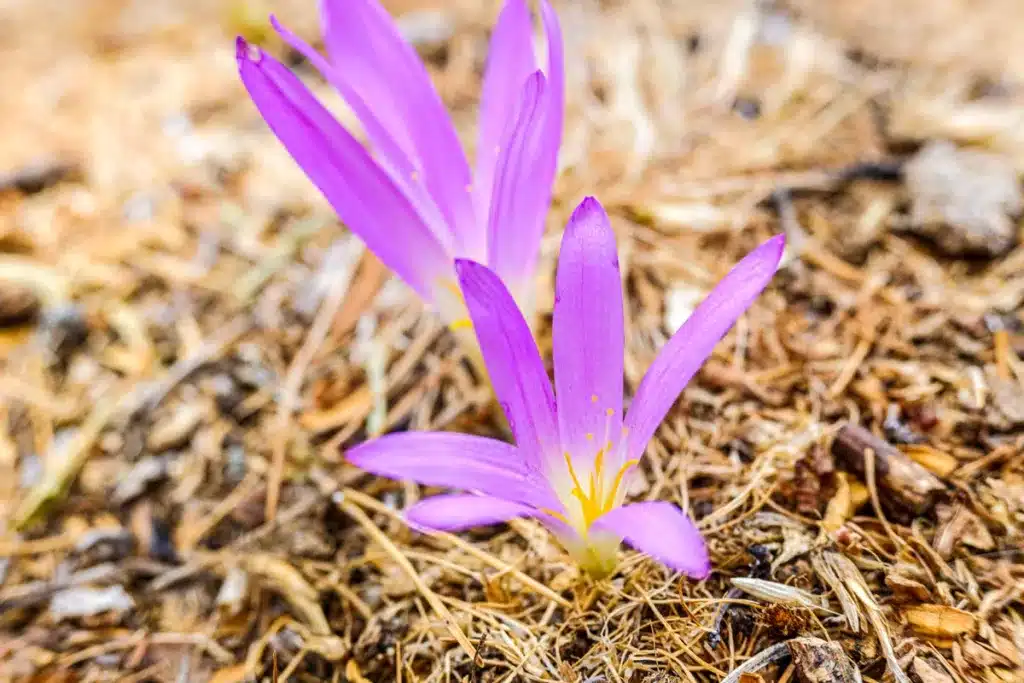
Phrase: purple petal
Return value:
(459, 461)
(547, 144)
(510, 61)
(588, 333)
(364, 43)
(388, 151)
(514, 364)
(688, 348)
(463, 511)
(362, 194)
(662, 531)
(556, 80)
(513, 226)
(516, 261)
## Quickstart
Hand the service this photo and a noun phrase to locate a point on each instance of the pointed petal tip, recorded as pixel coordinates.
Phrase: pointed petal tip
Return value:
(589, 213)
(590, 228)
(468, 268)
(776, 244)
(246, 52)
(768, 253)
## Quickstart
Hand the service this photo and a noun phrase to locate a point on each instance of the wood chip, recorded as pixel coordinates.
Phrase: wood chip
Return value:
(935, 461)
(939, 620)
(907, 486)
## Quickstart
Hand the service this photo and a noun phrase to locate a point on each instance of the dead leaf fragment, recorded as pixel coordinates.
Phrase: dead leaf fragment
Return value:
(960, 525)
(906, 589)
(928, 673)
(850, 495)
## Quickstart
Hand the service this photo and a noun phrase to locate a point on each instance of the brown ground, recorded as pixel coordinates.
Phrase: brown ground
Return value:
(187, 337)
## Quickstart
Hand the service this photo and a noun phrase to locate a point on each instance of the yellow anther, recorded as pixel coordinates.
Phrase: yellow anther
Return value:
(590, 436)
(609, 412)
(593, 398)
(461, 324)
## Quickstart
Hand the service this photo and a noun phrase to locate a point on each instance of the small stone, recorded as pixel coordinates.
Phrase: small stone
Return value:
(964, 200)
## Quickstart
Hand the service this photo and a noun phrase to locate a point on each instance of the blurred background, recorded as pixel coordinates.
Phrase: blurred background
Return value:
(165, 405)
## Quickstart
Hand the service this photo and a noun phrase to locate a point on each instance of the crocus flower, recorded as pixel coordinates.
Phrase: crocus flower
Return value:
(573, 449)
(411, 197)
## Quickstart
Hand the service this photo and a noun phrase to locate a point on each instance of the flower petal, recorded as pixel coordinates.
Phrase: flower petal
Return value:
(514, 225)
(556, 79)
(459, 461)
(362, 194)
(462, 511)
(588, 333)
(364, 43)
(689, 347)
(516, 259)
(510, 61)
(387, 150)
(514, 364)
(662, 531)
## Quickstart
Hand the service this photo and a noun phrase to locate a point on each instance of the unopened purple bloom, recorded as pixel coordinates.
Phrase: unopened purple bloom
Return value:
(573, 447)
(412, 197)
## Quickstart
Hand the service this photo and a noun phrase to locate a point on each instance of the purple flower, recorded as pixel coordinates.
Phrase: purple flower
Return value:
(413, 199)
(571, 454)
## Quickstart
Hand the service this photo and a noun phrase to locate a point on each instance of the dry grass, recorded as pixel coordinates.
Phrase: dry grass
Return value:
(189, 340)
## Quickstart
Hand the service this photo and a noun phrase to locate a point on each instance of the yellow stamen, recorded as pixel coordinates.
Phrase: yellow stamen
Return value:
(593, 398)
(557, 515)
(619, 477)
(572, 472)
(594, 502)
(461, 324)
(598, 467)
